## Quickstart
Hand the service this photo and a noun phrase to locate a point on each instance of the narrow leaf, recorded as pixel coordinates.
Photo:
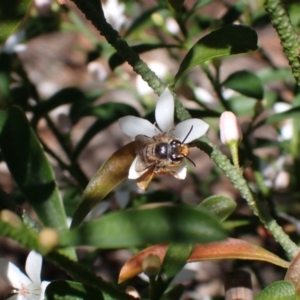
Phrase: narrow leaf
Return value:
(106, 114)
(30, 168)
(230, 39)
(62, 289)
(111, 173)
(123, 229)
(141, 20)
(280, 290)
(11, 16)
(219, 205)
(174, 260)
(116, 59)
(227, 249)
(246, 83)
(64, 96)
(176, 4)
(291, 113)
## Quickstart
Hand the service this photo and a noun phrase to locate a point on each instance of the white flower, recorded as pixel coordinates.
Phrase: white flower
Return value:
(97, 70)
(13, 43)
(286, 126)
(172, 26)
(160, 70)
(25, 288)
(186, 131)
(114, 13)
(43, 7)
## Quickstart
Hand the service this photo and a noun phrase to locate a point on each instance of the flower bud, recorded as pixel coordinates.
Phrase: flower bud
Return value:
(10, 217)
(151, 265)
(48, 238)
(230, 130)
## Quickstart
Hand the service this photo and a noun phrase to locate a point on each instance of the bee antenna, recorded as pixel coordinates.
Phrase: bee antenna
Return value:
(187, 136)
(190, 160)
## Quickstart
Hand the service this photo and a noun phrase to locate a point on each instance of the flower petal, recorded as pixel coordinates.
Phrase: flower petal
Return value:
(33, 266)
(133, 174)
(44, 285)
(183, 128)
(12, 274)
(164, 111)
(181, 171)
(133, 126)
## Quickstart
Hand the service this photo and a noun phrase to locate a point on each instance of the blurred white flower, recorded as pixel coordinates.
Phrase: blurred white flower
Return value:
(97, 210)
(43, 7)
(172, 26)
(286, 126)
(13, 43)
(275, 176)
(281, 107)
(203, 95)
(230, 129)
(164, 115)
(25, 288)
(159, 69)
(282, 180)
(97, 70)
(114, 13)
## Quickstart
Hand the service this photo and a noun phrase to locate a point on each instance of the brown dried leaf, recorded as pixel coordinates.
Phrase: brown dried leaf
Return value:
(227, 249)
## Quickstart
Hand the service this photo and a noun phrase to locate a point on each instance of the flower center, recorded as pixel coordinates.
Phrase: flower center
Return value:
(31, 291)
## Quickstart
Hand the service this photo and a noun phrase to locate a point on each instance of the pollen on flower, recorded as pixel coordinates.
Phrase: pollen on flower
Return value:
(23, 290)
(32, 291)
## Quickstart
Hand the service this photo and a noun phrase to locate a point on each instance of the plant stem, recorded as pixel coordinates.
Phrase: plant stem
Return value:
(240, 184)
(255, 204)
(96, 16)
(286, 33)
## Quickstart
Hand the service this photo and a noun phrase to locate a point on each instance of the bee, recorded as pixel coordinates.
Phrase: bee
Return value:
(159, 155)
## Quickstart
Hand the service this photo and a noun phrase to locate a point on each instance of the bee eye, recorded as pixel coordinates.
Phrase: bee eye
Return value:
(174, 143)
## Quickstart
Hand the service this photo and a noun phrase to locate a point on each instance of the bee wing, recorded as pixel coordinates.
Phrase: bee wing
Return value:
(142, 140)
(143, 165)
(144, 181)
(141, 144)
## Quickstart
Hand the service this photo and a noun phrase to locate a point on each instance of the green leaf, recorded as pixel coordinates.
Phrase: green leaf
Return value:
(291, 113)
(132, 228)
(198, 4)
(116, 59)
(228, 40)
(175, 293)
(11, 14)
(63, 289)
(30, 168)
(19, 234)
(111, 173)
(280, 290)
(87, 277)
(64, 96)
(141, 20)
(106, 114)
(176, 4)
(246, 83)
(242, 105)
(220, 206)
(234, 12)
(175, 259)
